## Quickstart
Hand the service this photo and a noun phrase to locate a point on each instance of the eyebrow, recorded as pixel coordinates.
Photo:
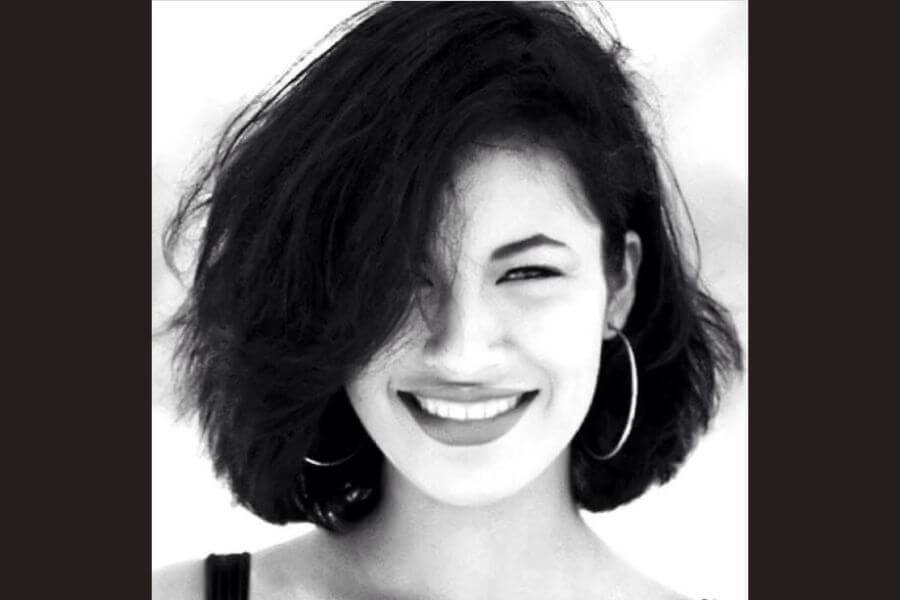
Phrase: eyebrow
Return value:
(535, 241)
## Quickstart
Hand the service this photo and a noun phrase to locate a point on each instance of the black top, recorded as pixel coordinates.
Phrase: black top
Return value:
(228, 576)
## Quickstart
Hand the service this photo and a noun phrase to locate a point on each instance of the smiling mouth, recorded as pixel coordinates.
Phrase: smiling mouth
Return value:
(469, 410)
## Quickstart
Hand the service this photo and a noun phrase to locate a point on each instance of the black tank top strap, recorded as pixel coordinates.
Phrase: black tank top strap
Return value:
(228, 576)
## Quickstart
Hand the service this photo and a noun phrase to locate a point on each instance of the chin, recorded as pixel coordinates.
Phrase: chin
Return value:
(477, 482)
(470, 493)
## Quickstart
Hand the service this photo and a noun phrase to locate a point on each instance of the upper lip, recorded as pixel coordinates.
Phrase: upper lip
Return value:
(464, 393)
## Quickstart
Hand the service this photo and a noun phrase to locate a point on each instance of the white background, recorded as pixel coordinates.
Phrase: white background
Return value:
(211, 57)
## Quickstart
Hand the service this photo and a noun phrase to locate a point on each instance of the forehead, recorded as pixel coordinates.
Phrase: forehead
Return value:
(503, 193)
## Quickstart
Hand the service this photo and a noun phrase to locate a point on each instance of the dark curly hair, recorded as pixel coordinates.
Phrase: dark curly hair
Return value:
(319, 205)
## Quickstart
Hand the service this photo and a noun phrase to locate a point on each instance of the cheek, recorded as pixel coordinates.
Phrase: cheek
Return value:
(564, 334)
(358, 389)
(561, 339)
(366, 387)
(369, 390)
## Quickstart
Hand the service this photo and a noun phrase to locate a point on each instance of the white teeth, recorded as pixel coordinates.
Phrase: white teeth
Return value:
(491, 409)
(475, 412)
(467, 411)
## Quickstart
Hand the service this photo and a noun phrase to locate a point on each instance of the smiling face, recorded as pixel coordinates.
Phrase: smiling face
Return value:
(488, 383)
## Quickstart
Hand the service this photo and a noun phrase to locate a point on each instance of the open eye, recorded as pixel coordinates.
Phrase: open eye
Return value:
(529, 272)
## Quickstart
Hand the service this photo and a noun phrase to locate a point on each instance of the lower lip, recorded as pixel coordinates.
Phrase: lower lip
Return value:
(467, 433)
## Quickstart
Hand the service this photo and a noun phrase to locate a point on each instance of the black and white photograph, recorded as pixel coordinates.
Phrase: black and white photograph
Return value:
(449, 300)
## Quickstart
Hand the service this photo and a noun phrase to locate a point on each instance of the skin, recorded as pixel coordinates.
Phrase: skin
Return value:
(494, 520)
(532, 320)
(501, 512)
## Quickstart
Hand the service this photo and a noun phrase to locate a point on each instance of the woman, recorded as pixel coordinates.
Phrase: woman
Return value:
(440, 306)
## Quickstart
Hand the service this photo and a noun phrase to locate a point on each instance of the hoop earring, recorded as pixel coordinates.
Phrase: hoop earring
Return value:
(333, 463)
(632, 407)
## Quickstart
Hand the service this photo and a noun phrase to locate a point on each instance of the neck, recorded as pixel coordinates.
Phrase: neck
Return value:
(526, 543)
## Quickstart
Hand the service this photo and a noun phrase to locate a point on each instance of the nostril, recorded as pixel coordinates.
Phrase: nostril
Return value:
(462, 363)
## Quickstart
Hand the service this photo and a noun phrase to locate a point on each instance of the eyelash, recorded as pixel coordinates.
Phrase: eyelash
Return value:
(514, 275)
(530, 272)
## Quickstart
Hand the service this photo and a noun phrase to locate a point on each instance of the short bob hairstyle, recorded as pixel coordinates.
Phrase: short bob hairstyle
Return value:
(319, 206)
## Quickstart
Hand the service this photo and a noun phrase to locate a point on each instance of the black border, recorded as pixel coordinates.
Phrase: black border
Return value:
(76, 429)
(821, 350)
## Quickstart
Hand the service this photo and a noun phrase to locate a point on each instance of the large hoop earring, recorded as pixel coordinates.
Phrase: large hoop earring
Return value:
(334, 463)
(632, 407)
(338, 407)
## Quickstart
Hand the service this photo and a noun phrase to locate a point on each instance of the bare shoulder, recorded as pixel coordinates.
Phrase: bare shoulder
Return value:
(645, 588)
(639, 586)
(663, 593)
(304, 567)
(181, 581)
(621, 580)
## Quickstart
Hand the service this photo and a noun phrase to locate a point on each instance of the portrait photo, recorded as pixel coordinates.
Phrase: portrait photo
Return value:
(450, 300)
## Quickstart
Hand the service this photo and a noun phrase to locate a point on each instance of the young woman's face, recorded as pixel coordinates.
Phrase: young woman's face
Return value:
(490, 380)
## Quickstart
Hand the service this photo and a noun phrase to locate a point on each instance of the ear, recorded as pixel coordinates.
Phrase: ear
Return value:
(622, 286)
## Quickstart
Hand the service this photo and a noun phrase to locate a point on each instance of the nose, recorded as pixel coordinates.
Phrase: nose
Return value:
(465, 334)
